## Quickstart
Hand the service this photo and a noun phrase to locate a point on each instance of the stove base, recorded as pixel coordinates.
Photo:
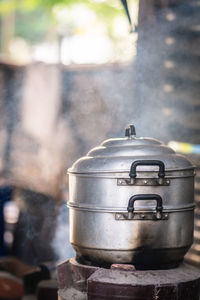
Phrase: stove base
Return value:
(82, 282)
(146, 259)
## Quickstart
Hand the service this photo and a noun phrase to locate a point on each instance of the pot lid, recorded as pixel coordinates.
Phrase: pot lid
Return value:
(118, 154)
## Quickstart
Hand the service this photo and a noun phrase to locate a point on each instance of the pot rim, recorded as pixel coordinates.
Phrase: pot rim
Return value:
(100, 209)
(116, 172)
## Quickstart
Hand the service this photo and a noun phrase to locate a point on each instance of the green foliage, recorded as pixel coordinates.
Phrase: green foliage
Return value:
(28, 27)
(106, 10)
(105, 7)
(35, 17)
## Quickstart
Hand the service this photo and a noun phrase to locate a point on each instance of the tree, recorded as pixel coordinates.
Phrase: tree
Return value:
(22, 17)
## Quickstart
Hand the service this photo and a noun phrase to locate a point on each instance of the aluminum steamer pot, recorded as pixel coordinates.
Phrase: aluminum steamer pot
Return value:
(131, 200)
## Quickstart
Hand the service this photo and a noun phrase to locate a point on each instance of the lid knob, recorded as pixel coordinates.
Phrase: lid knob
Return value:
(130, 131)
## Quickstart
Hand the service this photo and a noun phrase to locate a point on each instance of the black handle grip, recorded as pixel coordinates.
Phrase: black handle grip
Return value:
(159, 206)
(136, 163)
(130, 131)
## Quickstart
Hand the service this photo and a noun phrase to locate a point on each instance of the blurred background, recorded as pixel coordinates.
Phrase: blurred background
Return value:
(72, 75)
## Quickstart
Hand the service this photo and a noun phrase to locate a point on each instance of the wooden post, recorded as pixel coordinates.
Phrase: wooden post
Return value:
(7, 31)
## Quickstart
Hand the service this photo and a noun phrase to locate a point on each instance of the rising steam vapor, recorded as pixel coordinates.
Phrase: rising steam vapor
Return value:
(60, 243)
(167, 77)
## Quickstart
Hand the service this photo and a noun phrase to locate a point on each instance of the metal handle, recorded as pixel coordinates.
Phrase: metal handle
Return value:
(159, 206)
(136, 163)
(130, 131)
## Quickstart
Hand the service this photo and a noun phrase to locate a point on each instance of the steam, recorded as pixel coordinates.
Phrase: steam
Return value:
(60, 243)
(165, 77)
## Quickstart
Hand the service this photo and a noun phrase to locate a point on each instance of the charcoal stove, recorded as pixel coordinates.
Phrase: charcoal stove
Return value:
(87, 282)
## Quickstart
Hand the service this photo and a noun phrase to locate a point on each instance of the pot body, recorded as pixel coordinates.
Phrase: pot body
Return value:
(131, 200)
(99, 232)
